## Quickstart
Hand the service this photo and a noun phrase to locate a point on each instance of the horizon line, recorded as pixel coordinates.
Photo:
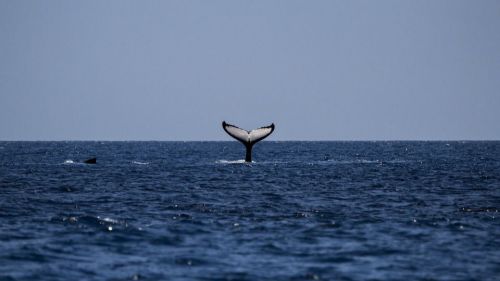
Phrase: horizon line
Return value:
(289, 140)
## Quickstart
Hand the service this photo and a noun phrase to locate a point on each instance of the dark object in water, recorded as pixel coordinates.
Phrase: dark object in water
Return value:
(90, 161)
(248, 138)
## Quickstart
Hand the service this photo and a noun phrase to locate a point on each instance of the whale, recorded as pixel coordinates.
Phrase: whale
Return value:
(248, 138)
(90, 161)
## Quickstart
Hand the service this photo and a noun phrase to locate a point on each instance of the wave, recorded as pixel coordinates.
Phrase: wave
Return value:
(98, 222)
(241, 161)
(140, 163)
(359, 161)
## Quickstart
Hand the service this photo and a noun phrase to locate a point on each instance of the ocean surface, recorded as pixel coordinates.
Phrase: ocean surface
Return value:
(301, 211)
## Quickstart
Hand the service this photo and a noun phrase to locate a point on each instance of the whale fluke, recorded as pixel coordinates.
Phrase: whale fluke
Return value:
(248, 138)
(90, 161)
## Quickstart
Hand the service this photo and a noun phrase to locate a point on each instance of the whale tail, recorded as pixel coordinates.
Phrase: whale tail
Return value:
(248, 138)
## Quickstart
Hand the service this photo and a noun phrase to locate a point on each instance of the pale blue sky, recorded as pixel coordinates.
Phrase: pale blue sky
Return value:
(320, 70)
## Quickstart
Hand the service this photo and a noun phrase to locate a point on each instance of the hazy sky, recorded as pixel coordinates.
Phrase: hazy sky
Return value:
(320, 70)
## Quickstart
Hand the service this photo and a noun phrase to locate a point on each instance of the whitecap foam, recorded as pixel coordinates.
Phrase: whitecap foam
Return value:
(365, 161)
(110, 220)
(344, 162)
(241, 161)
(69, 161)
(140, 163)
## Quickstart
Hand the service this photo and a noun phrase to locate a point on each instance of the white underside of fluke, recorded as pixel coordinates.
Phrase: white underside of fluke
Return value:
(245, 136)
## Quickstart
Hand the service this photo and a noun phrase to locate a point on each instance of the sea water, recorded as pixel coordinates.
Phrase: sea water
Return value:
(300, 211)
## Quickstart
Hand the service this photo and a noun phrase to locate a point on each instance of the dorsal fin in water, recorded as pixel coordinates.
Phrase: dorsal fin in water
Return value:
(248, 138)
(90, 161)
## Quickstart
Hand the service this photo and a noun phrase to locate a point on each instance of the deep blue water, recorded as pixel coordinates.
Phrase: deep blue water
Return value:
(302, 211)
